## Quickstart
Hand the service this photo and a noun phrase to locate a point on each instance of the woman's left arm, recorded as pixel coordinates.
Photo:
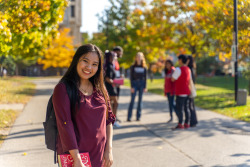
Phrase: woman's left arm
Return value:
(145, 77)
(108, 155)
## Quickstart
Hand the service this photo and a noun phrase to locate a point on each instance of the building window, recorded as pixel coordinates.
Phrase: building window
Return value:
(72, 11)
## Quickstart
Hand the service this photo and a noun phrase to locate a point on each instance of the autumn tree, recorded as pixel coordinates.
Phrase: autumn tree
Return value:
(61, 51)
(28, 27)
(199, 28)
(216, 18)
(113, 24)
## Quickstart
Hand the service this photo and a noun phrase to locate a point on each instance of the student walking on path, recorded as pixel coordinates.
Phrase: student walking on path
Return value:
(138, 82)
(190, 100)
(169, 86)
(181, 76)
(84, 117)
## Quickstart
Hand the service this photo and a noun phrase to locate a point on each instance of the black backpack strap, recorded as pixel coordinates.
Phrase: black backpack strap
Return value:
(55, 157)
(55, 153)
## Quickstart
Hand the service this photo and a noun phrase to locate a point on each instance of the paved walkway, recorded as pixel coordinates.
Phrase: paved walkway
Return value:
(218, 141)
(16, 106)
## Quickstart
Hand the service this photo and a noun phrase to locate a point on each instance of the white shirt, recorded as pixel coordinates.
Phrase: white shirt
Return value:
(177, 73)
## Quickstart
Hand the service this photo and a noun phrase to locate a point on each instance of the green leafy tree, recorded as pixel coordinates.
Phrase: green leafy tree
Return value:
(113, 25)
(216, 18)
(200, 28)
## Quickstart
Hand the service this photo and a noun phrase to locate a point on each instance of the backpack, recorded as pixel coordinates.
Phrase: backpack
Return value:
(50, 128)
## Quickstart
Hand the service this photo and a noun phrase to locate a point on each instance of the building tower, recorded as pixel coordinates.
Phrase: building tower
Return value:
(73, 20)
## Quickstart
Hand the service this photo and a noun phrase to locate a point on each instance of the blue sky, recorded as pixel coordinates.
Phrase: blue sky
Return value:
(89, 10)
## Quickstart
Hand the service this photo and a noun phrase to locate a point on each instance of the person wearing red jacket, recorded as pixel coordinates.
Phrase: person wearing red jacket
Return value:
(181, 77)
(169, 86)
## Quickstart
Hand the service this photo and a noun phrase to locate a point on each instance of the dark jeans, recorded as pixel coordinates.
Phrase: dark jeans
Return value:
(180, 103)
(191, 107)
(138, 85)
(171, 104)
(118, 91)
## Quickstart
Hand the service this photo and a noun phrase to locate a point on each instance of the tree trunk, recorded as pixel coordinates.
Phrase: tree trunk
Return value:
(249, 87)
(17, 70)
(1, 71)
(58, 72)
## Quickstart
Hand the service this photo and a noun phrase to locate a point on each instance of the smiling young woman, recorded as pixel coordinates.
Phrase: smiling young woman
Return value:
(82, 108)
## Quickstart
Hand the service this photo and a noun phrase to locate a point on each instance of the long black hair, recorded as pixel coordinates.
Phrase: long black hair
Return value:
(170, 62)
(71, 78)
(183, 58)
(191, 61)
(108, 56)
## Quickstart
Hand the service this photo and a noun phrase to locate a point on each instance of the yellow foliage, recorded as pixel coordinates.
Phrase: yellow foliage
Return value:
(26, 21)
(60, 52)
(138, 32)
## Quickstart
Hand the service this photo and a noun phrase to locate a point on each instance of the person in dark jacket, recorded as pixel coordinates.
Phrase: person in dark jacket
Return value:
(169, 86)
(119, 52)
(110, 75)
(138, 82)
(190, 100)
(118, 73)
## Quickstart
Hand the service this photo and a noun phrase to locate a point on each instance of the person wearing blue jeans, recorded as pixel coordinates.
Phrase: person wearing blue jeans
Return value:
(172, 107)
(138, 78)
(169, 86)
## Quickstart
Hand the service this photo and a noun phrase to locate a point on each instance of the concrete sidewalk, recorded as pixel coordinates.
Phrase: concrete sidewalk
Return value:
(216, 141)
(24, 146)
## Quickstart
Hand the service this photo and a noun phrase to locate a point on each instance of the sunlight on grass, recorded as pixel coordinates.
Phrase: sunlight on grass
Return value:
(7, 117)
(13, 90)
(16, 90)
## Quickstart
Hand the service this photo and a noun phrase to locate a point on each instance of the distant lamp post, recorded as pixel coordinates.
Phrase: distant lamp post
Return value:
(235, 43)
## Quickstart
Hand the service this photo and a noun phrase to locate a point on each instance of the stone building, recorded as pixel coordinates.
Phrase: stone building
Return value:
(73, 20)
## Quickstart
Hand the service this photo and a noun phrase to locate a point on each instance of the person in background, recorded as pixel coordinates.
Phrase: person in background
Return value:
(119, 53)
(84, 117)
(192, 66)
(181, 77)
(169, 86)
(138, 82)
(109, 76)
(190, 100)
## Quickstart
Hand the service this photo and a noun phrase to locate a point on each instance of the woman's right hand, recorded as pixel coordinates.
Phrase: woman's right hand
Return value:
(76, 158)
(78, 163)
(132, 90)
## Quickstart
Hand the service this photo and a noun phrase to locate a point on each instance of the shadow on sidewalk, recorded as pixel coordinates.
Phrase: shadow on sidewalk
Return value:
(205, 128)
(23, 151)
(26, 134)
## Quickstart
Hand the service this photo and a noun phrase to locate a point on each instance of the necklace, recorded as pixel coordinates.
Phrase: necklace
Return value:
(85, 91)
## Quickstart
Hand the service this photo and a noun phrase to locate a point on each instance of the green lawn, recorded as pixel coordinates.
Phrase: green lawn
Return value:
(215, 93)
(16, 90)
(13, 90)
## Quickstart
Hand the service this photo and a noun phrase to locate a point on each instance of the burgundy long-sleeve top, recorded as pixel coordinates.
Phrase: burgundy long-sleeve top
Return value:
(84, 130)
